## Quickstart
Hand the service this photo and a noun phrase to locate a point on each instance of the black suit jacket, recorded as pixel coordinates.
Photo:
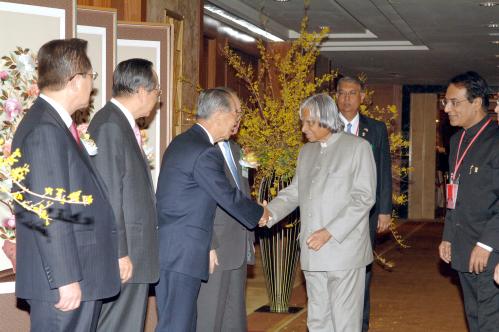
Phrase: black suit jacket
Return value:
(376, 134)
(476, 216)
(232, 241)
(191, 184)
(125, 171)
(80, 243)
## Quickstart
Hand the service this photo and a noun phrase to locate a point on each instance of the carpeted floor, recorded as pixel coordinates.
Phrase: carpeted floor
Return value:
(420, 294)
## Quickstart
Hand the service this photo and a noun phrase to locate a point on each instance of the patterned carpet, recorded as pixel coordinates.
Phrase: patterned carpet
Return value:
(419, 294)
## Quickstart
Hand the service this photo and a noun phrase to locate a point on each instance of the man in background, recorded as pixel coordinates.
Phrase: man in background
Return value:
(121, 162)
(64, 269)
(350, 94)
(191, 183)
(471, 232)
(221, 301)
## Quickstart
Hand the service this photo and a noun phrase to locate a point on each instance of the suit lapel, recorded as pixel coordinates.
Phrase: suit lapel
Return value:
(364, 128)
(82, 152)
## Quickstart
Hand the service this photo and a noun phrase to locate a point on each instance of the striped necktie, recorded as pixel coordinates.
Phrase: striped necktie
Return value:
(231, 163)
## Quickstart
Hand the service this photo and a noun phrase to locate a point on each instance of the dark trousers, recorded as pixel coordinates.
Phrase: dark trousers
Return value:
(373, 226)
(221, 302)
(176, 296)
(367, 302)
(125, 312)
(481, 300)
(45, 317)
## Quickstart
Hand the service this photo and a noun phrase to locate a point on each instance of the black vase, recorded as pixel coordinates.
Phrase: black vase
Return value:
(279, 247)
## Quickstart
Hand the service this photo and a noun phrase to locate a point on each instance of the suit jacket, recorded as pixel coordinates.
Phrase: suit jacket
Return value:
(375, 133)
(81, 242)
(476, 216)
(335, 187)
(232, 241)
(191, 184)
(125, 171)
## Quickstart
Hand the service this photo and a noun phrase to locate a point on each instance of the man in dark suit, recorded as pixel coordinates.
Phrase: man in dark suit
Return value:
(191, 184)
(66, 268)
(470, 241)
(124, 168)
(350, 94)
(221, 301)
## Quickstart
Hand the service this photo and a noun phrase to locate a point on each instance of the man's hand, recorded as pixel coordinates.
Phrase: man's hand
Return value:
(126, 269)
(69, 297)
(384, 221)
(265, 216)
(444, 251)
(213, 260)
(496, 274)
(478, 260)
(318, 239)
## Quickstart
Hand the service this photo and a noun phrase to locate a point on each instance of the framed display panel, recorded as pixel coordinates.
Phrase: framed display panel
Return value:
(153, 42)
(32, 23)
(98, 27)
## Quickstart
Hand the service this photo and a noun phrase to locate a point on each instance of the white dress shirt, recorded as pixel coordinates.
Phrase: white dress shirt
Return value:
(59, 109)
(125, 111)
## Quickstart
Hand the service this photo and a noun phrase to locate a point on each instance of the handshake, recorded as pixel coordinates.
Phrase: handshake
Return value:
(266, 216)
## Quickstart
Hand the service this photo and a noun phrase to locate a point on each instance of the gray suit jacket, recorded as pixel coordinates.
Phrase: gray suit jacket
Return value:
(231, 240)
(335, 187)
(126, 174)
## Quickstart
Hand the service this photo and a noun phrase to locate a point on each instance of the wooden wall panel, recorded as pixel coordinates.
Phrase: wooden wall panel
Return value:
(191, 11)
(424, 112)
(128, 10)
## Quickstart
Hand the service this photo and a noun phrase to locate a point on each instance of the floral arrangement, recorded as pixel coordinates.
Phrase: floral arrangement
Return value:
(18, 90)
(268, 131)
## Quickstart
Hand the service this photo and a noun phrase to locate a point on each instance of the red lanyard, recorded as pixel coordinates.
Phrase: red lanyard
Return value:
(459, 161)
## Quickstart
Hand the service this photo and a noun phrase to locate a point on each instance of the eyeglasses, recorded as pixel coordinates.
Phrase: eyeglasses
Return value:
(453, 102)
(351, 93)
(92, 74)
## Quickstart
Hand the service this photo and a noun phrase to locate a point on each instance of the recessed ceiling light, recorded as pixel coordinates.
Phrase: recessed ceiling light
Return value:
(489, 4)
(493, 25)
(241, 23)
(495, 42)
(281, 0)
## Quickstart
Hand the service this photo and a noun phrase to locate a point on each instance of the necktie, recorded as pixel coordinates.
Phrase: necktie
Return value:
(349, 128)
(75, 134)
(138, 136)
(231, 163)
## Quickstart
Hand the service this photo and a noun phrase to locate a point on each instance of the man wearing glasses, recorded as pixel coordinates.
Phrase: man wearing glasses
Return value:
(350, 94)
(123, 166)
(64, 269)
(471, 233)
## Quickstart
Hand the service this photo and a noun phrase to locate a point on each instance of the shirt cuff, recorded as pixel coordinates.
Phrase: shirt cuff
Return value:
(484, 246)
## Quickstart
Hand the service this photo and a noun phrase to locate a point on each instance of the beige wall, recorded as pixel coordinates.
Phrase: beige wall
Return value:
(424, 112)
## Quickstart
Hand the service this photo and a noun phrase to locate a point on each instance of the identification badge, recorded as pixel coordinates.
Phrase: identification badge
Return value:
(451, 195)
(244, 170)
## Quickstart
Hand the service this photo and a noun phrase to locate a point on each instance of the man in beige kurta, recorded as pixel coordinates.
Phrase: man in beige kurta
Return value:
(335, 187)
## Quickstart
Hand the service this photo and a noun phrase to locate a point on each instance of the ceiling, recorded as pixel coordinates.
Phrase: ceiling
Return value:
(392, 41)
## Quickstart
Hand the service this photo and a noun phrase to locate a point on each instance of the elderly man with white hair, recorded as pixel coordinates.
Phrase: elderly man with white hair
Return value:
(335, 187)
